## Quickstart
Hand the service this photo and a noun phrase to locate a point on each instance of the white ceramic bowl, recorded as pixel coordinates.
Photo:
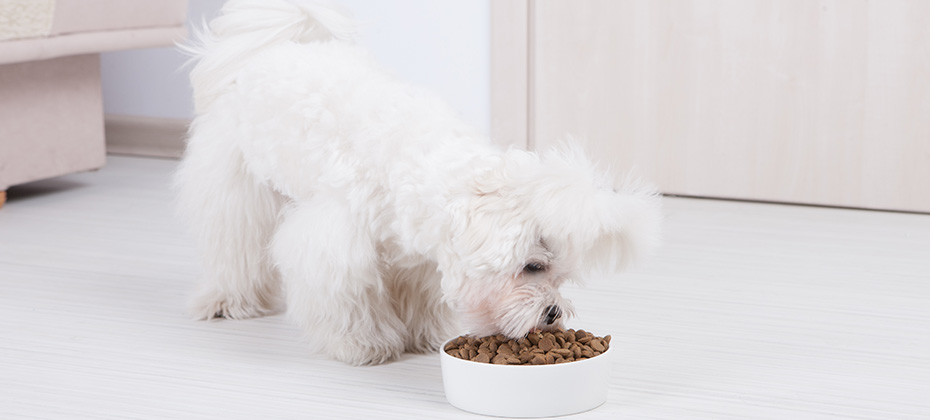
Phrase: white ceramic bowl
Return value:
(526, 390)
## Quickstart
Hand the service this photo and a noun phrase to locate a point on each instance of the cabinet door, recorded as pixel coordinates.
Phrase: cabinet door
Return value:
(805, 101)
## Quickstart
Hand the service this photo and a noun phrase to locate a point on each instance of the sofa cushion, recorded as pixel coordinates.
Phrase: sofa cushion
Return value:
(92, 26)
(75, 16)
(25, 18)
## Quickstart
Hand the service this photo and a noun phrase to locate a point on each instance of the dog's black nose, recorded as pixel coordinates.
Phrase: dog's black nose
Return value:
(552, 313)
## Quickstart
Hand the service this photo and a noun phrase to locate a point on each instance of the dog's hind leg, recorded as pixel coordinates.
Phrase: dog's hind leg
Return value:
(330, 268)
(233, 218)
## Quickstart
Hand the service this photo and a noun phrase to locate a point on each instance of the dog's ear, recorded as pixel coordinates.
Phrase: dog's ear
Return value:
(616, 222)
(628, 228)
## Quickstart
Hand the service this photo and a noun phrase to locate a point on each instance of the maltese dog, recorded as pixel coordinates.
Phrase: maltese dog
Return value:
(314, 181)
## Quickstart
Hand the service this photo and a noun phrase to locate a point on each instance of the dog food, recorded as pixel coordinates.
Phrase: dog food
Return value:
(537, 348)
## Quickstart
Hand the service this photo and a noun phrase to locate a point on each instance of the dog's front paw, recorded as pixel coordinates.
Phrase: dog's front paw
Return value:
(429, 340)
(212, 305)
(370, 350)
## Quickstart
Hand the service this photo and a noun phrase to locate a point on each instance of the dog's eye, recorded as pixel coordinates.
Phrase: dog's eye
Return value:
(534, 267)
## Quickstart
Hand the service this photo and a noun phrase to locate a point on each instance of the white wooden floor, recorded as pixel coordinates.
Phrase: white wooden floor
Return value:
(749, 311)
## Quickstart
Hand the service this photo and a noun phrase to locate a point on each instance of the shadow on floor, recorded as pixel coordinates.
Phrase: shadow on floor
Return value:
(38, 189)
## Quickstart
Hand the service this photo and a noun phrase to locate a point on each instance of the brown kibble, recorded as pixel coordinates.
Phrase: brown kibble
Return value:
(560, 346)
(546, 344)
(562, 352)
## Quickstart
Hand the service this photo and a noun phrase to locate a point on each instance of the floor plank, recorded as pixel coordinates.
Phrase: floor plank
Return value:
(747, 311)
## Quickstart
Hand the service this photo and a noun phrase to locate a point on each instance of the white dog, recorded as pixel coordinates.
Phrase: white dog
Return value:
(384, 223)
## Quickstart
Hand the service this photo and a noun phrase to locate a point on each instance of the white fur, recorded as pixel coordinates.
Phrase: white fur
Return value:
(383, 221)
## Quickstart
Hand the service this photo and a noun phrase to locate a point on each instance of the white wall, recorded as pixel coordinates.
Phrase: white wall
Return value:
(442, 45)
(150, 82)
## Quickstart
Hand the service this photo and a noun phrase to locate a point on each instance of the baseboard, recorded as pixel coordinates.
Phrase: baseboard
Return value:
(145, 136)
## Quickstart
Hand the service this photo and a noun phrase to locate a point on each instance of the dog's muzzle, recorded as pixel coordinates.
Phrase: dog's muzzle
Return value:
(552, 313)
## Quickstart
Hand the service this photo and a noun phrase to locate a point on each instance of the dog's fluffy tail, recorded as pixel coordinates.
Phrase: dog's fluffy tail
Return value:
(244, 27)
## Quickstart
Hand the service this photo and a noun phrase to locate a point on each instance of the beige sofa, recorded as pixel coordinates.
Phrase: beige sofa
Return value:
(51, 108)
